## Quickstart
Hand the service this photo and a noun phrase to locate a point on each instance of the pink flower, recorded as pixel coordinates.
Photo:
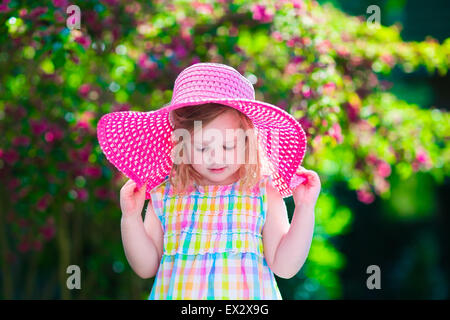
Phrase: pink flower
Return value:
(93, 172)
(84, 90)
(195, 59)
(24, 246)
(204, 8)
(4, 6)
(381, 185)
(291, 42)
(38, 126)
(305, 123)
(298, 88)
(277, 36)
(36, 12)
(306, 93)
(306, 41)
(21, 141)
(388, 59)
(74, 58)
(180, 51)
(371, 159)
(283, 104)
(352, 111)
(13, 183)
(365, 196)
(342, 51)
(260, 13)
(58, 16)
(85, 41)
(111, 2)
(57, 133)
(49, 136)
(145, 63)
(92, 20)
(10, 156)
(356, 61)
(297, 4)
(101, 193)
(383, 169)
(48, 230)
(328, 88)
(324, 46)
(298, 59)
(291, 68)
(82, 194)
(17, 112)
(83, 153)
(43, 202)
(422, 156)
(60, 3)
(23, 192)
(317, 140)
(336, 133)
(422, 160)
(121, 107)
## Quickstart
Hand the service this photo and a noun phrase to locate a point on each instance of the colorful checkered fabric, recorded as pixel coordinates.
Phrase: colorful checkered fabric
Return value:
(213, 245)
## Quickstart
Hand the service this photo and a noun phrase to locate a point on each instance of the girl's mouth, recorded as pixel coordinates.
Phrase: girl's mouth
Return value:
(217, 170)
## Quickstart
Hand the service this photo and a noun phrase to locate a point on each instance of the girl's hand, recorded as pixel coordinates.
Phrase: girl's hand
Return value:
(308, 191)
(132, 200)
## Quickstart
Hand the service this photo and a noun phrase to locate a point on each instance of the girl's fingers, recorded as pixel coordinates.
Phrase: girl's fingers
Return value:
(128, 188)
(140, 190)
(311, 177)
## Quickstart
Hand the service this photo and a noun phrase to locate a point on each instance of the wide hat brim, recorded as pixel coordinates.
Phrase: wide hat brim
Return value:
(139, 144)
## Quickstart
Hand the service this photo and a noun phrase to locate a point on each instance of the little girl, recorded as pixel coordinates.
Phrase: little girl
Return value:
(215, 227)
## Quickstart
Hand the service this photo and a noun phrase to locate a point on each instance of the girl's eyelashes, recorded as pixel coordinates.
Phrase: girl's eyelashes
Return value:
(228, 147)
(202, 149)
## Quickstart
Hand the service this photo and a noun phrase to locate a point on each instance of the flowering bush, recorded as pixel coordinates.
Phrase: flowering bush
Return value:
(60, 195)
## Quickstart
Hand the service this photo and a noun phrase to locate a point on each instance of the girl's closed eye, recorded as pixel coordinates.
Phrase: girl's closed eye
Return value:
(229, 147)
(200, 149)
(225, 147)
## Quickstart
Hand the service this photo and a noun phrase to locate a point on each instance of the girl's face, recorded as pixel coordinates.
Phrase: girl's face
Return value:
(218, 149)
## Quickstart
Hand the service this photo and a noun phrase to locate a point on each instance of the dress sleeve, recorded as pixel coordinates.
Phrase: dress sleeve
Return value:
(263, 189)
(157, 196)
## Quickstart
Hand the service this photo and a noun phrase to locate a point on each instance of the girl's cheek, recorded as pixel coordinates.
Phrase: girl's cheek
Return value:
(239, 155)
(232, 157)
(198, 158)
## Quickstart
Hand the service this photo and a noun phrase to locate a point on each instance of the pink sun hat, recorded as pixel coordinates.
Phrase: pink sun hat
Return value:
(139, 144)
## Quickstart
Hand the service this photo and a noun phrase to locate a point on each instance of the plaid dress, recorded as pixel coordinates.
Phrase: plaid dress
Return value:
(213, 245)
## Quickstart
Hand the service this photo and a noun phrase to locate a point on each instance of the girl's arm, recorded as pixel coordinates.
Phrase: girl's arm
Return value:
(286, 247)
(142, 247)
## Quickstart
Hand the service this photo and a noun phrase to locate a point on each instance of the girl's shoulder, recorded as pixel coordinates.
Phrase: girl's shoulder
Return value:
(161, 188)
(260, 186)
(157, 195)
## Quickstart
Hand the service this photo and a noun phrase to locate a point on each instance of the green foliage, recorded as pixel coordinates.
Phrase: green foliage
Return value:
(60, 194)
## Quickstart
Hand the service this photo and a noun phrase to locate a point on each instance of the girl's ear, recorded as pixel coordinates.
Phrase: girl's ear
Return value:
(187, 149)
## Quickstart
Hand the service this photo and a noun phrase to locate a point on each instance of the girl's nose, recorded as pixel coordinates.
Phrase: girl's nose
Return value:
(214, 157)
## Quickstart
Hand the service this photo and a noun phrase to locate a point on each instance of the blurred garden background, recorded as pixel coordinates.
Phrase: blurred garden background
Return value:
(372, 98)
